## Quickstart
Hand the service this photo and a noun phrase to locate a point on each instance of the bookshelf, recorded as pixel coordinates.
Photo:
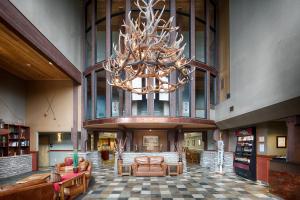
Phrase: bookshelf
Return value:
(14, 140)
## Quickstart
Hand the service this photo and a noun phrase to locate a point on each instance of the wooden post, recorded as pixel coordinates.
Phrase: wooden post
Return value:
(74, 129)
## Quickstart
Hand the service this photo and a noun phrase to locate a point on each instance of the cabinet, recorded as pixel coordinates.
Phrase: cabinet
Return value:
(14, 140)
(245, 153)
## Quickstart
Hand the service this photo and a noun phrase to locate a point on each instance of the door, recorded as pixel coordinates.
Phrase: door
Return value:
(43, 151)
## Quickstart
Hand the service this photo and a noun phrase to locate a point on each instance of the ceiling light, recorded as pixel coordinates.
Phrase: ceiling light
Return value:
(50, 63)
(28, 65)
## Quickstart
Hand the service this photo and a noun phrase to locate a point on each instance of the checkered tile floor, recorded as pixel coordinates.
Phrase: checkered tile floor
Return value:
(197, 183)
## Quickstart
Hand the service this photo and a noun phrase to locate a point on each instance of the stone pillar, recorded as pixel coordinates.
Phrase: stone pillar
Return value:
(180, 136)
(83, 139)
(129, 143)
(171, 140)
(293, 139)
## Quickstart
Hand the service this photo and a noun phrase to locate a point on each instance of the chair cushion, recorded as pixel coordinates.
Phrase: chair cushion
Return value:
(68, 161)
(143, 168)
(83, 165)
(154, 160)
(142, 160)
(155, 168)
(69, 168)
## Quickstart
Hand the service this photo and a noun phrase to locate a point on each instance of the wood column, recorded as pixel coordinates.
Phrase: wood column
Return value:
(74, 130)
(193, 54)
(173, 80)
(127, 94)
(129, 143)
(207, 94)
(293, 139)
(84, 138)
(107, 55)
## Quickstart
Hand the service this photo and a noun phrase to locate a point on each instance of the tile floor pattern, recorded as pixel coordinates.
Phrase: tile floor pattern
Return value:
(197, 183)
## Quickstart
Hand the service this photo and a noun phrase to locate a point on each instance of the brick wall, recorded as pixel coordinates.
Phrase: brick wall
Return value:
(15, 165)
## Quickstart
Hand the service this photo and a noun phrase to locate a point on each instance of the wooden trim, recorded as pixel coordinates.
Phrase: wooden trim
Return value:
(61, 150)
(20, 25)
(146, 119)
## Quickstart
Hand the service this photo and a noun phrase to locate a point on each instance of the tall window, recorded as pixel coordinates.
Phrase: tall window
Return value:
(162, 102)
(200, 94)
(200, 30)
(100, 30)
(183, 95)
(88, 97)
(212, 34)
(101, 94)
(88, 34)
(117, 20)
(139, 102)
(183, 22)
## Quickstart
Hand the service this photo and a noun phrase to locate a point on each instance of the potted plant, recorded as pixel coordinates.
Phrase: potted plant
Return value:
(75, 161)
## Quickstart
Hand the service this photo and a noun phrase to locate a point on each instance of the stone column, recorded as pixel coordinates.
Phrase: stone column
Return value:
(83, 139)
(293, 139)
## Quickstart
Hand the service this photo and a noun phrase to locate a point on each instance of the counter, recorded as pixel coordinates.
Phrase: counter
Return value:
(15, 165)
(284, 179)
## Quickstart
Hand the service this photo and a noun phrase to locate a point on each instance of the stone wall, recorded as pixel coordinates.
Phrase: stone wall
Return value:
(209, 160)
(169, 157)
(15, 165)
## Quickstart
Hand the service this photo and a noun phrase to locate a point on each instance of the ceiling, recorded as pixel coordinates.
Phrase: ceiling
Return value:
(20, 59)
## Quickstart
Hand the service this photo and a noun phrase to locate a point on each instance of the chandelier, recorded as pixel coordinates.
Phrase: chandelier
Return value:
(149, 48)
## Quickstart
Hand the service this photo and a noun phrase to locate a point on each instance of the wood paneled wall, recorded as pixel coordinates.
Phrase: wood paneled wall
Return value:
(139, 134)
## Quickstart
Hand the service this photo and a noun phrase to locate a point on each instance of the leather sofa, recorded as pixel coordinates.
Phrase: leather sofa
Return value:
(35, 189)
(67, 165)
(149, 166)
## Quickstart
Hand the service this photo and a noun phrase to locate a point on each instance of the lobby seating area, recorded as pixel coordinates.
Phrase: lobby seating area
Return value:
(149, 166)
(65, 185)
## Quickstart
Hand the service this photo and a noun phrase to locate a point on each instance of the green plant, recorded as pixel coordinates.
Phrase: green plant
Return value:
(75, 159)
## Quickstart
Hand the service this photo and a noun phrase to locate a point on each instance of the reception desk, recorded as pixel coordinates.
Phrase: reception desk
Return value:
(284, 179)
(15, 165)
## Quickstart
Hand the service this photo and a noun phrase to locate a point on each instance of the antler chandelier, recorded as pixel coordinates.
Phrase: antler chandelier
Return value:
(149, 48)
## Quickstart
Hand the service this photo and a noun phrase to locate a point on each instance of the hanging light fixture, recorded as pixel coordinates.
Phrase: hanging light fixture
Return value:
(149, 48)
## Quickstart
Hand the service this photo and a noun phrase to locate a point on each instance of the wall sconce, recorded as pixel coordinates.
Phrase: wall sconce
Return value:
(59, 137)
(199, 142)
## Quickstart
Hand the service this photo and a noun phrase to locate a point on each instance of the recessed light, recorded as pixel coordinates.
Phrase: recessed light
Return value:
(150, 130)
(50, 63)
(28, 65)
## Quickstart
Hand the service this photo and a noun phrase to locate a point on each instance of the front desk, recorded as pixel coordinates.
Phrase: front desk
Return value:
(15, 165)
(284, 179)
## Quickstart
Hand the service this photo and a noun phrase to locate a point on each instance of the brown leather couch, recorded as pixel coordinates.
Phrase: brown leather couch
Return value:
(149, 166)
(35, 189)
(62, 167)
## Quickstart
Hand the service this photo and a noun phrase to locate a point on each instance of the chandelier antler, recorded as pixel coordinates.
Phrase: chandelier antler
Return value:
(147, 50)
